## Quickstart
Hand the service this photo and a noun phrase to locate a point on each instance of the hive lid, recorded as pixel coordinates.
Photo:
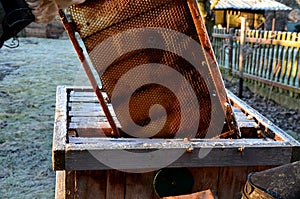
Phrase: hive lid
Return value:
(157, 67)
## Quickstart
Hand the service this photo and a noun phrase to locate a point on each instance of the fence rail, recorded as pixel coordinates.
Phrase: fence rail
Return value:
(271, 58)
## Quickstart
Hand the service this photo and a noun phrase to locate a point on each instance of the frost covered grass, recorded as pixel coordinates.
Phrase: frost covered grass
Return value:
(27, 107)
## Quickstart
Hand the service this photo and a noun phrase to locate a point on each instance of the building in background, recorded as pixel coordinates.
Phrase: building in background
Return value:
(261, 14)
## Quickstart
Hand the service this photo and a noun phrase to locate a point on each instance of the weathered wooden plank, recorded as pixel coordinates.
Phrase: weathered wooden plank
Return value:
(115, 184)
(157, 143)
(205, 178)
(92, 132)
(94, 113)
(231, 182)
(60, 185)
(86, 106)
(139, 185)
(60, 128)
(84, 99)
(70, 179)
(89, 125)
(90, 184)
(84, 93)
(95, 120)
(79, 156)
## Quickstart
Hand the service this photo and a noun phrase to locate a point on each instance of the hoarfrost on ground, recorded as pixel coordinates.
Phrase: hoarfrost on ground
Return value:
(30, 75)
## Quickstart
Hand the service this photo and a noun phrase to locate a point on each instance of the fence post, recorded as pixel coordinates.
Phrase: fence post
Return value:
(242, 55)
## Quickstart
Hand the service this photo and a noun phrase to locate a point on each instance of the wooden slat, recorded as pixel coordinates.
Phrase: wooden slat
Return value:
(115, 184)
(232, 182)
(90, 184)
(89, 125)
(60, 185)
(70, 180)
(60, 129)
(205, 178)
(226, 153)
(139, 185)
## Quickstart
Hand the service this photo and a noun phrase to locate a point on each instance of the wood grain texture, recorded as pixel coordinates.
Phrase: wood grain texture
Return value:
(241, 155)
(231, 182)
(60, 129)
(90, 184)
(224, 182)
(70, 180)
(60, 185)
(205, 178)
(139, 185)
(115, 184)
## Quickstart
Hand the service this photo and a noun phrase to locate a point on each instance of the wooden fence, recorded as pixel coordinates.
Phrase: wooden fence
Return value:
(270, 58)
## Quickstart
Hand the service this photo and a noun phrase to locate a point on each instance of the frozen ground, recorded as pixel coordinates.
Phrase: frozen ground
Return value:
(29, 76)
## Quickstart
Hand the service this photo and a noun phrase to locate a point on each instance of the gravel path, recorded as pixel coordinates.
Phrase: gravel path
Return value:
(286, 119)
(29, 76)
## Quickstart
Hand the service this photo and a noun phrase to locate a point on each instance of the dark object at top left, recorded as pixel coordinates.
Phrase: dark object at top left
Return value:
(15, 15)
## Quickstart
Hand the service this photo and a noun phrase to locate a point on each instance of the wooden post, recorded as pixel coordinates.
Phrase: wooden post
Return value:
(242, 55)
(273, 21)
(273, 24)
(228, 20)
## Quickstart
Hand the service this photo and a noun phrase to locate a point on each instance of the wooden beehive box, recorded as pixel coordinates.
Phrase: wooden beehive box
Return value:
(78, 131)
